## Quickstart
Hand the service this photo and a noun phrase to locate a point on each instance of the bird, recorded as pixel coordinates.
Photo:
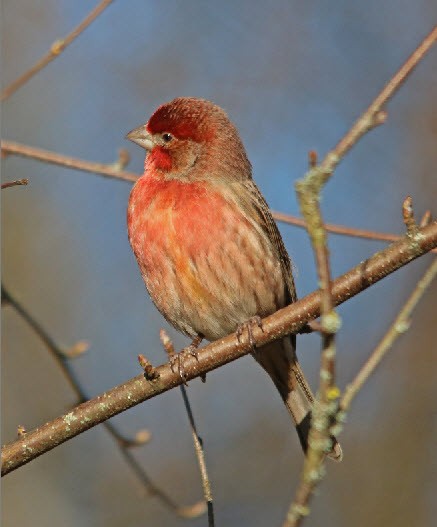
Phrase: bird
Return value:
(208, 249)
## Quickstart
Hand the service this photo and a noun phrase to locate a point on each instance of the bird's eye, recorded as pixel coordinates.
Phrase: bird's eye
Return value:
(167, 137)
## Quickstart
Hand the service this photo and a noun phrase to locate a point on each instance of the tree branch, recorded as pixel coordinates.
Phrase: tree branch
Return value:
(16, 183)
(113, 170)
(399, 326)
(375, 115)
(124, 443)
(299, 508)
(55, 50)
(46, 156)
(61, 357)
(341, 230)
(198, 443)
(288, 320)
(309, 191)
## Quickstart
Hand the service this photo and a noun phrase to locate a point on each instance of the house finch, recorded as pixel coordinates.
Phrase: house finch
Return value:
(206, 243)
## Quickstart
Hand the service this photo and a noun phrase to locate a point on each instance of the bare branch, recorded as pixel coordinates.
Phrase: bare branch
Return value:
(299, 508)
(16, 183)
(150, 372)
(198, 443)
(55, 50)
(78, 349)
(309, 190)
(285, 321)
(426, 219)
(408, 215)
(151, 489)
(375, 115)
(114, 170)
(62, 358)
(46, 156)
(342, 230)
(399, 326)
(21, 431)
(124, 443)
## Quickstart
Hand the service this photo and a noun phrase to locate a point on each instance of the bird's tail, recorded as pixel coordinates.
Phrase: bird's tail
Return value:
(280, 362)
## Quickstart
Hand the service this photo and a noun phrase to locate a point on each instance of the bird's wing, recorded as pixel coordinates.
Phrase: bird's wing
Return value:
(259, 206)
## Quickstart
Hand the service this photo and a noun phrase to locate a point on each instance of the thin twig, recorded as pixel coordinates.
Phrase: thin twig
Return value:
(125, 444)
(150, 372)
(151, 489)
(339, 229)
(426, 219)
(309, 191)
(198, 443)
(16, 183)
(55, 50)
(399, 326)
(319, 437)
(21, 431)
(299, 509)
(113, 170)
(290, 319)
(375, 114)
(408, 215)
(46, 156)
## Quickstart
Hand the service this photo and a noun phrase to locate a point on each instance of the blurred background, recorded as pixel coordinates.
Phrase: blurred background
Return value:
(293, 76)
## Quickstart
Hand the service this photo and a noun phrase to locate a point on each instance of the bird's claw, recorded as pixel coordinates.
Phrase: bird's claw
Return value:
(192, 350)
(256, 320)
(179, 358)
(177, 361)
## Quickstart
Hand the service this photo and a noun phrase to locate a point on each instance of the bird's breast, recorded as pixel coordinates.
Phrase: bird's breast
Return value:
(200, 256)
(174, 216)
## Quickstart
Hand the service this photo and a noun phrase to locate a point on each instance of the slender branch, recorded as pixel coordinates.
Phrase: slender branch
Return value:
(309, 191)
(320, 442)
(114, 170)
(123, 443)
(285, 321)
(299, 508)
(183, 511)
(375, 115)
(426, 219)
(198, 443)
(46, 156)
(61, 358)
(342, 230)
(399, 326)
(408, 215)
(55, 50)
(16, 183)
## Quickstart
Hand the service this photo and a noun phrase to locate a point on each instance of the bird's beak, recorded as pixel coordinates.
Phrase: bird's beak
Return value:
(141, 137)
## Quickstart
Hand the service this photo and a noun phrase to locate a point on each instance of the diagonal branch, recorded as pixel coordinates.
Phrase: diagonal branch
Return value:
(198, 443)
(288, 320)
(299, 508)
(16, 183)
(124, 444)
(375, 114)
(309, 192)
(55, 50)
(399, 326)
(61, 358)
(46, 156)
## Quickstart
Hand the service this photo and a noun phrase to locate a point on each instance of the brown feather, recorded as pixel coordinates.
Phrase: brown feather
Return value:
(279, 358)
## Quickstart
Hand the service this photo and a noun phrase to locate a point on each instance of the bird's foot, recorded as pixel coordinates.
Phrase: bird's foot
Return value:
(193, 347)
(177, 360)
(248, 326)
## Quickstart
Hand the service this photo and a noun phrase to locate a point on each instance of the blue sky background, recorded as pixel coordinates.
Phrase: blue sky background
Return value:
(293, 76)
